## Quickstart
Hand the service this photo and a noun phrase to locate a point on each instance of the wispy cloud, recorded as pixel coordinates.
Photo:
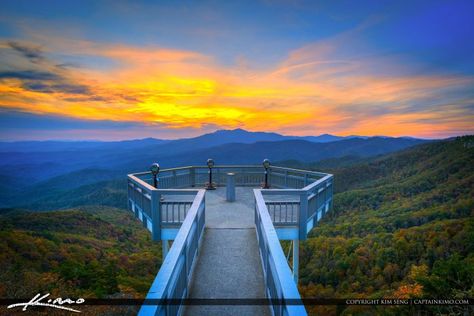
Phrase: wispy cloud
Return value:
(32, 53)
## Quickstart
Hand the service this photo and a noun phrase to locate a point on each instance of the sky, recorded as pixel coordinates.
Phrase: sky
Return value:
(111, 70)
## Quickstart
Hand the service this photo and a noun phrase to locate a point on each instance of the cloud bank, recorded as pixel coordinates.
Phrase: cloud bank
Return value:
(328, 86)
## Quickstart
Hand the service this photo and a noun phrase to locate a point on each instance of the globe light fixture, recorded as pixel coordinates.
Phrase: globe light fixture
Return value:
(266, 165)
(210, 165)
(155, 169)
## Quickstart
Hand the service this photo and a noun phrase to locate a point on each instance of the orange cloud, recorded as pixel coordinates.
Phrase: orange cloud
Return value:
(309, 93)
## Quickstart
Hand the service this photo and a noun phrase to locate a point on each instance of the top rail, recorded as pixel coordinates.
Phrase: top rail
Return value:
(279, 281)
(312, 189)
(172, 281)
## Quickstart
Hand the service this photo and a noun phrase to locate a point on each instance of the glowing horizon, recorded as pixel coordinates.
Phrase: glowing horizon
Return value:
(335, 83)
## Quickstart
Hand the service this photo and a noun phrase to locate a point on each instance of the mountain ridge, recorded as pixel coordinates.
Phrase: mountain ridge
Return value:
(237, 135)
(76, 186)
(130, 156)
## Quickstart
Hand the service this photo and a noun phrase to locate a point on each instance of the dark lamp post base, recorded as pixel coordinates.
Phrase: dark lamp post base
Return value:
(210, 186)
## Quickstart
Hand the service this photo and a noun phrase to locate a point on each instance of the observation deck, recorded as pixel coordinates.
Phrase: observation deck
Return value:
(226, 257)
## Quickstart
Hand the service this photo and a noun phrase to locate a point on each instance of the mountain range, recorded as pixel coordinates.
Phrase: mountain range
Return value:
(31, 171)
(218, 137)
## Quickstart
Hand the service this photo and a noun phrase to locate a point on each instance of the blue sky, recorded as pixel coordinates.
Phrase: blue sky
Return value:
(192, 67)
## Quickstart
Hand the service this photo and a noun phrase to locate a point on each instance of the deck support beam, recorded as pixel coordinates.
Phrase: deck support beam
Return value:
(166, 247)
(296, 259)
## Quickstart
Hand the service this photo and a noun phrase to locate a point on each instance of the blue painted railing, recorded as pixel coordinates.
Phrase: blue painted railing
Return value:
(173, 279)
(302, 199)
(305, 194)
(147, 203)
(279, 282)
(312, 202)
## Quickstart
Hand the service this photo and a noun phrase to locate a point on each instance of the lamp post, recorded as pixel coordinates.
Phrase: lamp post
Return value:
(266, 165)
(210, 165)
(155, 169)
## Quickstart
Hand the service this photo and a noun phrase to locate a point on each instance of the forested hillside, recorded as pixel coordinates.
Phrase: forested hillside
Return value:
(402, 227)
(95, 252)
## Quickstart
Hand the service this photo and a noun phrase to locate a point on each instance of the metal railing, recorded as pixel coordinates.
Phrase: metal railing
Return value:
(246, 175)
(310, 202)
(279, 282)
(174, 212)
(157, 207)
(284, 212)
(297, 199)
(303, 194)
(172, 281)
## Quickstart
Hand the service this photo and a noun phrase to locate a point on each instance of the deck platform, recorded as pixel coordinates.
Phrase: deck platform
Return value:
(228, 265)
(226, 248)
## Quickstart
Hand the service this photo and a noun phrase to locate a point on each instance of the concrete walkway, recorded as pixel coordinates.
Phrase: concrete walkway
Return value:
(229, 264)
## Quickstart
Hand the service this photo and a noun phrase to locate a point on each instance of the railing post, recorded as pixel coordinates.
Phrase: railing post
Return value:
(230, 187)
(270, 177)
(175, 181)
(305, 179)
(192, 174)
(129, 198)
(286, 178)
(135, 210)
(303, 214)
(156, 214)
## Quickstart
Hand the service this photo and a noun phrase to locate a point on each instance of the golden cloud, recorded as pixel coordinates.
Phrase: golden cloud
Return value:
(308, 93)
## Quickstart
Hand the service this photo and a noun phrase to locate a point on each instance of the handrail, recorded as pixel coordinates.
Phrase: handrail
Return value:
(172, 281)
(134, 177)
(280, 285)
(316, 173)
(286, 181)
(318, 182)
(311, 198)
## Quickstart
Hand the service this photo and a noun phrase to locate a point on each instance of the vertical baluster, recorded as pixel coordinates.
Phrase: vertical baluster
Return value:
(292, 213)
(277, 206)
(280, 213)
(170, 212)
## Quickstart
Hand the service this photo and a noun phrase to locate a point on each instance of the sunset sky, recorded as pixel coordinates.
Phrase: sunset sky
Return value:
(167, 69)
